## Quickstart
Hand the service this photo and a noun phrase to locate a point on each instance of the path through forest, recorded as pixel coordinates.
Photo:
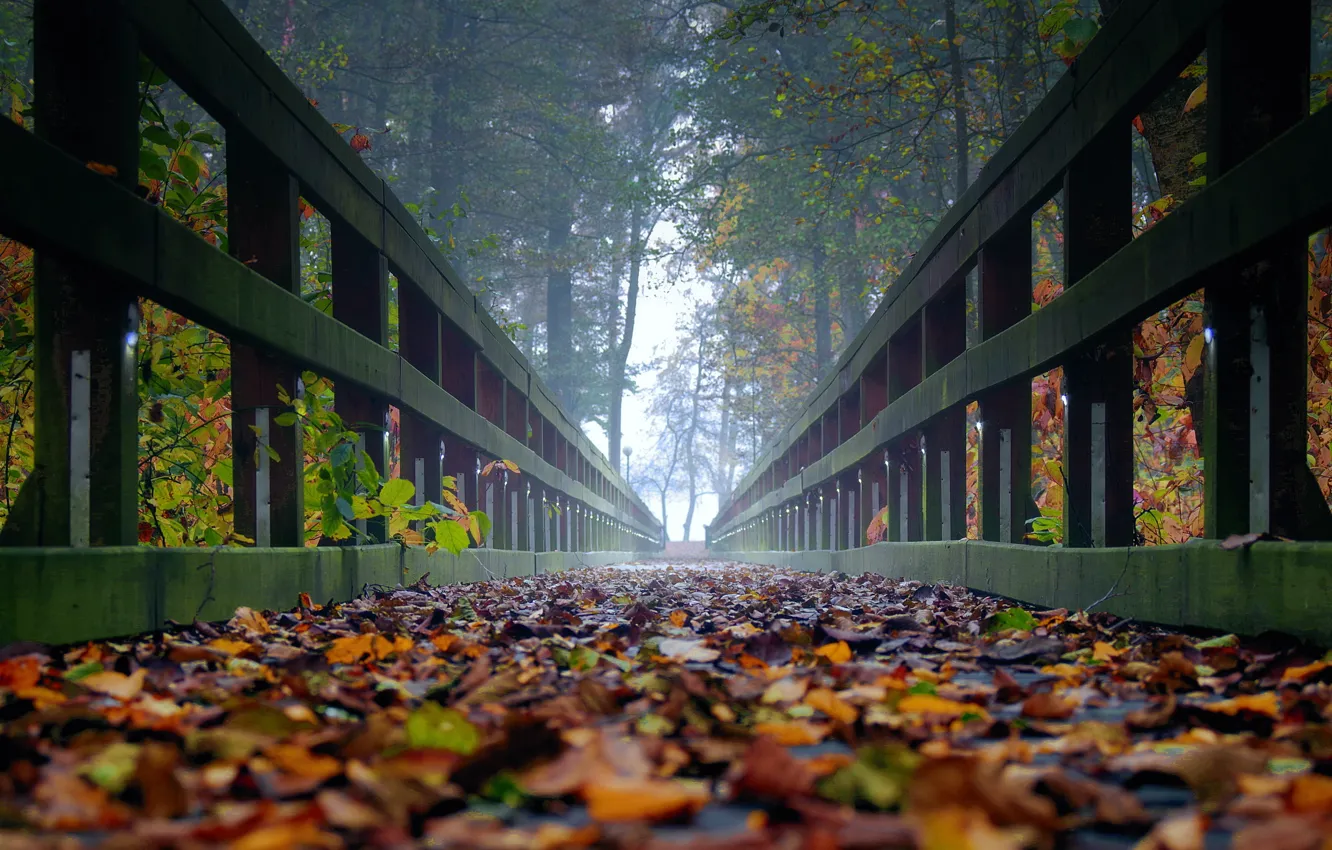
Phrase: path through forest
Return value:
(667, 705)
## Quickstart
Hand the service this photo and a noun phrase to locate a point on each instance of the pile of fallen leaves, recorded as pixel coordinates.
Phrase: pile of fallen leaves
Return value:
(725, 706)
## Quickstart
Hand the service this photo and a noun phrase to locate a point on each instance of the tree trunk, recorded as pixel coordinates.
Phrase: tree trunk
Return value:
(620, 357)
(959, 93)
(822, 315)
(559, 301)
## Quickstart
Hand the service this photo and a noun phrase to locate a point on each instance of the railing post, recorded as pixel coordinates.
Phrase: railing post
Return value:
(263, 232)
(83, 489)
(420, 333)
(904, 372)
(360, 301)
(944, 327)
(1005, 413)
(1098, 379)
(1255, 396)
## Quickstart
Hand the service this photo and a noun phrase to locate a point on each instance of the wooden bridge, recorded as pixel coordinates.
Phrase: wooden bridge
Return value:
(73, 569)
(888, 429)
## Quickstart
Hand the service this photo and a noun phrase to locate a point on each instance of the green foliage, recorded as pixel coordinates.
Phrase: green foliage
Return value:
(1012, 618)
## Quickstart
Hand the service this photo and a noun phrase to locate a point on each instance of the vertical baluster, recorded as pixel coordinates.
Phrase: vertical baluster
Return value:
(1255, 397)
(945, 337)
(420, 329)
(1098, 380)
(86, 65)
(263, 230)
(360, 301)
(1005, 413)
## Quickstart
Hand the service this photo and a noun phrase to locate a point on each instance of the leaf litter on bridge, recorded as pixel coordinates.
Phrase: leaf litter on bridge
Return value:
(722, 707)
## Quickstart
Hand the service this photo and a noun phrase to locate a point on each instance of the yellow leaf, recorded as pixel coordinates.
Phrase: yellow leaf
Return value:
(931, 704)
(1193, 356)
(837, 653)
(1103, 651)
(1197, 98)
(248, 620)
(1300, 674)
(116, 685)
(679, 618)
(230, 646)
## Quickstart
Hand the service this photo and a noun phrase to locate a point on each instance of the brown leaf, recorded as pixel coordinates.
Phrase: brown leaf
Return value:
(768, 769)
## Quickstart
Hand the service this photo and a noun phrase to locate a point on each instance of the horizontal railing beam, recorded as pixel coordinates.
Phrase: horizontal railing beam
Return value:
(156, 257)
(1272, 194)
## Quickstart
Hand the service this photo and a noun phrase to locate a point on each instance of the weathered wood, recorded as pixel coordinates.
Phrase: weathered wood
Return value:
(1255, 389)
(1004, 267)
(1098, 458)
(361, 302)
(944, 337)
(181, 271)
(82, 490)
(420, 333)
(263, 230)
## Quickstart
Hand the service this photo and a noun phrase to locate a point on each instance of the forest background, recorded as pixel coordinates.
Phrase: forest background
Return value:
(681, 211)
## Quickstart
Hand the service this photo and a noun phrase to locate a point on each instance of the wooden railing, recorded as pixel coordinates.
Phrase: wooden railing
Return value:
(465, 393)
(889, 428)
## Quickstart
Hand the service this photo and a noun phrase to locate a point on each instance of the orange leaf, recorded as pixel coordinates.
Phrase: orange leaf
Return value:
(679, 618)
(350, 650)
(1311, 792)
(360, 142)
(283, 835)
(832, 705)
(837, 653)
(793, 733)
(19, 673)
(1265, 703)
(103, 169)
(625, 799)
(299, 761)
(1303, 674)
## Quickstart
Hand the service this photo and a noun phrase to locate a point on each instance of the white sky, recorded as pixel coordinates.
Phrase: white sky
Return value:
(662, 303)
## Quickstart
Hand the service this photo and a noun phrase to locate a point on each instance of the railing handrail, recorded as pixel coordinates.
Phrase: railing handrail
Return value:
(206, 50)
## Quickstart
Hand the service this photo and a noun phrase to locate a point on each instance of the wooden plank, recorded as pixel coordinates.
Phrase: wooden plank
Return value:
(84, 489)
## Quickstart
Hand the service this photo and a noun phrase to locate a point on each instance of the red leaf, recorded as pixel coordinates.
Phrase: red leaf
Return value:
(360, 142)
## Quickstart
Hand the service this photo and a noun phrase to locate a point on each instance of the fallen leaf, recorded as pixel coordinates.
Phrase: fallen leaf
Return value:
(837, 653)
(115, 684)
(615, 799)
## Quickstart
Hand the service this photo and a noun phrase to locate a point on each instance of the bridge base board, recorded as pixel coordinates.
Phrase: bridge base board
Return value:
(1283, 587)
(59, 596)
